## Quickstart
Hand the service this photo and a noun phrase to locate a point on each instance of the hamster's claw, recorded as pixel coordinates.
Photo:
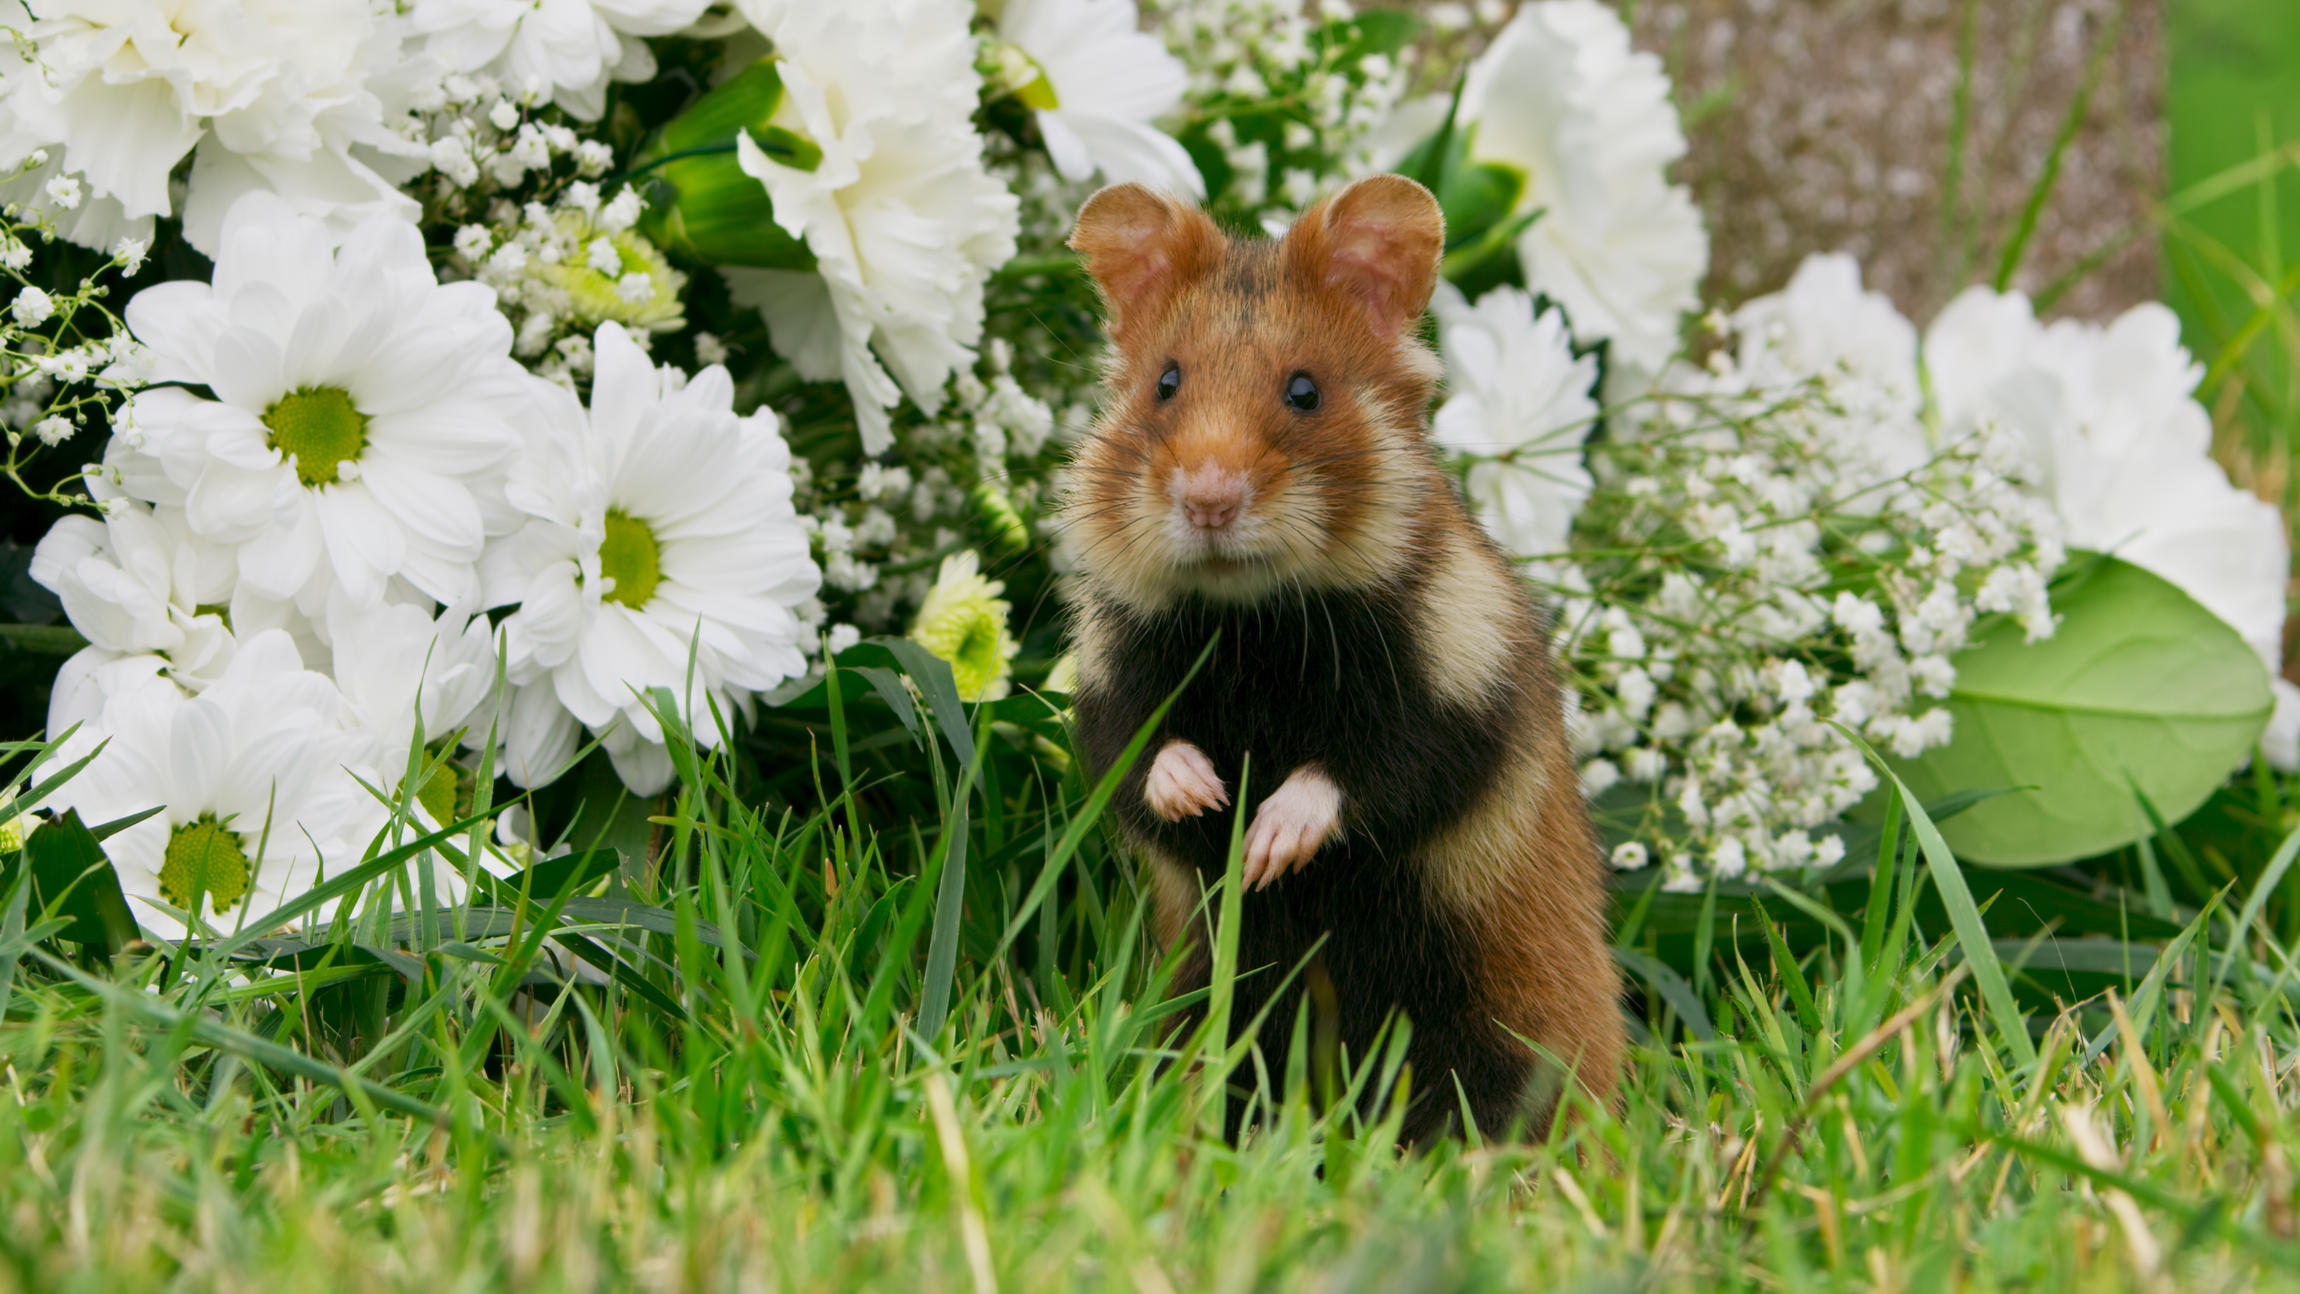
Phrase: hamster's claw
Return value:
(1182, 783)
(1291, 826)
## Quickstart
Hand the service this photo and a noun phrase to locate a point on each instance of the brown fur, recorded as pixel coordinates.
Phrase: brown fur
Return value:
(1351, 500)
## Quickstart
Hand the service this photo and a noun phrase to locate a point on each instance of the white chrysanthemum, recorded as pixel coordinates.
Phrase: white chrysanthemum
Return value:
(1561, 97)
(361, 423)
(1823, 324)
(660, 550)
(286, 96)
(396, 662)
(565, 51)
(1097, 81)
(903, 221)
(2122, 447)
(137, 583)
(268, 745)
(1517, 399)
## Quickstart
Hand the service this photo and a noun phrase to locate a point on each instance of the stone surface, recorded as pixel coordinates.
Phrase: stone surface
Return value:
(1825, 125)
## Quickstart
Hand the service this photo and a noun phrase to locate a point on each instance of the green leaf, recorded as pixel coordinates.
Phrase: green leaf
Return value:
(72, 877)
(2141, 688)
(1375, 31)
(551, 877)
(1476, 196)
(933, 676)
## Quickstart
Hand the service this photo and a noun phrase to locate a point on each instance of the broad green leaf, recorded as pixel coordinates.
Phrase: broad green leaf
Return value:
(2140, 690)
(71, 875)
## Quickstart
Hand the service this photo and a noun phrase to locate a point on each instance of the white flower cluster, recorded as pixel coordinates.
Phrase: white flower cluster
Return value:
(56, 349)
(1248, 57)
(979, 465)
(368, 471)
(561, 269)
(482, 136)
(2108, 419)
(1562, 102)
(1793, 534)
(1769, 545)
(1754, 572)
(307, 99)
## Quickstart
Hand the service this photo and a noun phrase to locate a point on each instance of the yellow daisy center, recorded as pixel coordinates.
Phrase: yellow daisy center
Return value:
(631, 558)
(204, 857)
(318, 427)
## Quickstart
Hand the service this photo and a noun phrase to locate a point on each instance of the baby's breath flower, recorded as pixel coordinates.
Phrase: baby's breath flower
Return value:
(31, 308)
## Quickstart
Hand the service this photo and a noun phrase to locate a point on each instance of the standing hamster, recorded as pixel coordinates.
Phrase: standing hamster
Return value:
(1262, 469)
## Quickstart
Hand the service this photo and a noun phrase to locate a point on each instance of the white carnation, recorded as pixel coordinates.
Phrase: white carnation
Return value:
(295, 97)
(1518, 404)
(1562, 98)
(903, 221)
(1824, 324)
(565, 51)
(2108, 419)
(1099, 82)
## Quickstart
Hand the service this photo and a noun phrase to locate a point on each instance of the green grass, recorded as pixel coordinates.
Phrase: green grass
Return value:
(1824, 1099)
(2232, 117)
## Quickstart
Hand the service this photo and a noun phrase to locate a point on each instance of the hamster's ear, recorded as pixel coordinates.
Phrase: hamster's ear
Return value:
(1142, 248)
(1377, 241)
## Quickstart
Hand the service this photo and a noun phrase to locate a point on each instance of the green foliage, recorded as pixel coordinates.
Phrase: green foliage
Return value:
(1908, 1075)
(2142, 696)
(2232, 116)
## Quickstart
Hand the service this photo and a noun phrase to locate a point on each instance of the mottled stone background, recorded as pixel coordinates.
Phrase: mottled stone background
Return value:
(1825, 125)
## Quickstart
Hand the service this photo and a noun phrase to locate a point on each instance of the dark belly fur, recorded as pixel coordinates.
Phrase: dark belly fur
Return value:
(1339, 681)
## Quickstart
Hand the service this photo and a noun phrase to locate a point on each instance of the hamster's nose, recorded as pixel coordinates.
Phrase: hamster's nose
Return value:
(1211, 497)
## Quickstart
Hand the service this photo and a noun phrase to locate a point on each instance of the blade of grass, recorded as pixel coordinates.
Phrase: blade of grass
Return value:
(1964, 916)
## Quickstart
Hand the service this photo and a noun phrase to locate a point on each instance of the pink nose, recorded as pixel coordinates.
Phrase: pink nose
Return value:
(1212, 498)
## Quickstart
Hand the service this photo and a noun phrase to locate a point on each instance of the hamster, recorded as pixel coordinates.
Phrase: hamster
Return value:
(1262, 469)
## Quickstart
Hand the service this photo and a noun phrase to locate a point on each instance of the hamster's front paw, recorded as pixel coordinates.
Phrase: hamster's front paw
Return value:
(1291, 825)
(1182, 783)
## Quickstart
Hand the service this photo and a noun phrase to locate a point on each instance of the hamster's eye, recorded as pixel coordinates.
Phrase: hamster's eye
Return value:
(1301, 393)
(1169, 381)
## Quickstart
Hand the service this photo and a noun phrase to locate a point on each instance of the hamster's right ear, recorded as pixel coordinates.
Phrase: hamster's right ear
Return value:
(1142, 248)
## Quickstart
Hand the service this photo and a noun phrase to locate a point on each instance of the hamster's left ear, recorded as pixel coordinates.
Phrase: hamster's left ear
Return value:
(1377, 241)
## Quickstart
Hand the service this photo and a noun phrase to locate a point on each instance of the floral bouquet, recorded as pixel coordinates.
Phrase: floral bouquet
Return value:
(503, 388)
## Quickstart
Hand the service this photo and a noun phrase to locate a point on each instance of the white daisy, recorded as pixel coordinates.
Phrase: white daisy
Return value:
(287, 96)
(361, 423)
(253, 778)
(903, 221)
(1561, 99)
(659, 550)
(565, 51)
(1096, 82)
(138, 582)
(1518, 403)
(2122, 447)
(396, 662)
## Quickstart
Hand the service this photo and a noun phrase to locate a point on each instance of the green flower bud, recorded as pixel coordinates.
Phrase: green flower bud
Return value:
(1015, 72)
(1004, 531)
(700, 202)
